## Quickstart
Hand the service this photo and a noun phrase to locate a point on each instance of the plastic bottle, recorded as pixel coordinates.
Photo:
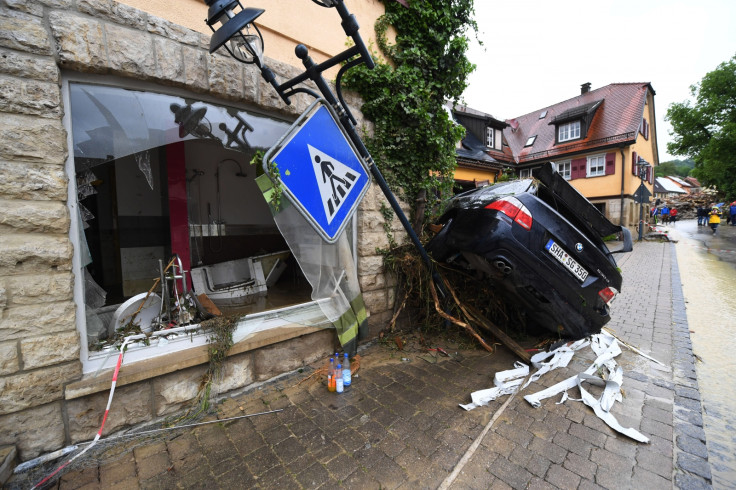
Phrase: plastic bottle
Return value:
(347, 376)
(331, 385)
(339, 385)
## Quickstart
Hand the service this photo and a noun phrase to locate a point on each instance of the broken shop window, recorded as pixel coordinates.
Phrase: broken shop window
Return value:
(171, 225)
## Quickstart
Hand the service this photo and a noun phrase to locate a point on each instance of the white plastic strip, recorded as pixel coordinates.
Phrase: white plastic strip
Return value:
(507, 382)
(605, 415)
(605, 351)
(606, 348)
(561, 357)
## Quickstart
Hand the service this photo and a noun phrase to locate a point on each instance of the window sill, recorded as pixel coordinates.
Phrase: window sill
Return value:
(151, 368)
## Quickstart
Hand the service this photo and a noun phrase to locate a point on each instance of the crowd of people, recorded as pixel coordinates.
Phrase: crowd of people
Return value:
(712, 217)
(666, 214)
(707, 216)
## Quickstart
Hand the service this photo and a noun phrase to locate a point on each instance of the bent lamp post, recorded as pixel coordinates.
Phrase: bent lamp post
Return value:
(243, 40)
(643, 166)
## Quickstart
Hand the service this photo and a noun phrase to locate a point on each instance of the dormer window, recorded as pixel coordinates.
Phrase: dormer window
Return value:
(574, 123)
(489, 136)
(568, 131)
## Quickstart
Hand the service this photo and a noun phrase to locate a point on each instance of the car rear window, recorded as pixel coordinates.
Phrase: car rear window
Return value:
(481, 196)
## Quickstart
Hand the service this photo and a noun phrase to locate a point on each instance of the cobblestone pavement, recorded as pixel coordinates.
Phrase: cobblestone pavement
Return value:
(399, 424)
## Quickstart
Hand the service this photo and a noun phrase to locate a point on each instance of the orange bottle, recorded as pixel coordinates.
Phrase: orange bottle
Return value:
(331, 382)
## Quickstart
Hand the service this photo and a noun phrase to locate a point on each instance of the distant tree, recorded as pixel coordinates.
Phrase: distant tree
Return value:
(706, 131)
(664, 169)
(681, 168)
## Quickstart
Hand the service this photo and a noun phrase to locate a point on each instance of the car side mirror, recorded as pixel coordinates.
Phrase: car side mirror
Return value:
(628, 242)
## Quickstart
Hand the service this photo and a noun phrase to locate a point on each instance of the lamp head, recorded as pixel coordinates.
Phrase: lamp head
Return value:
(236, 31)
(191, 121)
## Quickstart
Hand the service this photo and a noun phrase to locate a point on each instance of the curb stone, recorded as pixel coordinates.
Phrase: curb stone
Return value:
(692, 469)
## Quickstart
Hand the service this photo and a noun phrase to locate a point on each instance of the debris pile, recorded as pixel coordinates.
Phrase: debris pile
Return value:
(687, 205)
(606, 348)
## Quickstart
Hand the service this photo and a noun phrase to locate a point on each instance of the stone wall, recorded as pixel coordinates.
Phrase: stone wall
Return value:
(39, 343)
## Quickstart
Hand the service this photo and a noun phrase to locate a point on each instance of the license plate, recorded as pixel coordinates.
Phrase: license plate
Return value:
(565, 259)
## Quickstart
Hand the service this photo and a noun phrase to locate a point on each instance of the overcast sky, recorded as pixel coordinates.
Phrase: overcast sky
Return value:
(538, 52)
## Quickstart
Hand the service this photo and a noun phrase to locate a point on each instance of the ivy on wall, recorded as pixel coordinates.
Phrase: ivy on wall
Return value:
(415, 138)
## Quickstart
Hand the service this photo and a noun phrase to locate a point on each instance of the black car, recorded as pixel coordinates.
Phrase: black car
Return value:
(540, 243)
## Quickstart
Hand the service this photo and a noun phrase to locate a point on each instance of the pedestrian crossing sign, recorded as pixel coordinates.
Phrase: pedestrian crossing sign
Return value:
(320, 170)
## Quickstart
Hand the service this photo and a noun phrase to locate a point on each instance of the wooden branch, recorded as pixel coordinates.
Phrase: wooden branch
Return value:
(457, 322)
(500, 335)
(398, 312)
(474, 315)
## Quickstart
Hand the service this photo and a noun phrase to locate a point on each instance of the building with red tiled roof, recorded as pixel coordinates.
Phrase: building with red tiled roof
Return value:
(694, 183)
(595, 139)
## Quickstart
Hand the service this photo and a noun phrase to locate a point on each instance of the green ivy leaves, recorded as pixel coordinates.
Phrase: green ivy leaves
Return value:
(414, 139)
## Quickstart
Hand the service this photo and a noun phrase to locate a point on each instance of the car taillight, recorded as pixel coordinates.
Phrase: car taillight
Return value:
(514, 209)
(607, 294)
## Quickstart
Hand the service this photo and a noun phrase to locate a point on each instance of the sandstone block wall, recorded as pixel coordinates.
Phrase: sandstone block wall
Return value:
(39, 342)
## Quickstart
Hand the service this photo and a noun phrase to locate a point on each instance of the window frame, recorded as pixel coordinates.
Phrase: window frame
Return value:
(600, 165)
(490, 137)
(308, 313)
(572, 131)
(565, 169)
(525, 173)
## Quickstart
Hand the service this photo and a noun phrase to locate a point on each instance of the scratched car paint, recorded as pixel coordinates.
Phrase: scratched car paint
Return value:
(539, 243)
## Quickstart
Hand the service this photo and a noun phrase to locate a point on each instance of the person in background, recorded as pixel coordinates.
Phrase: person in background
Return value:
(715, 219)
(665, 212)
(732, 213)
(673, 215)
(702, 216)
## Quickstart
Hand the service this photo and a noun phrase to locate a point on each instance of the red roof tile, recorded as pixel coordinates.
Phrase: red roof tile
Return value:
(616, 119)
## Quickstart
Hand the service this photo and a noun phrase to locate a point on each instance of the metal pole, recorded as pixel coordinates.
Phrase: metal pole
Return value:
(641, 217)
(314, 74)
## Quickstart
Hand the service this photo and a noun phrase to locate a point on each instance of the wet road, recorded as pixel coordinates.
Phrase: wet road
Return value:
(707, 266)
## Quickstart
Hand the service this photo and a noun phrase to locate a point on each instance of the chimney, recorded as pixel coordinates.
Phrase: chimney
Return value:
(585, 88)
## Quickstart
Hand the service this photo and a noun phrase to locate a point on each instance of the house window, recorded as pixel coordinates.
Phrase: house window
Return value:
(564, 169)
(489, 136)
(525, 173)
(543, 114)
(530, 141)
(150, 188)
(568, 131)
(596, 165)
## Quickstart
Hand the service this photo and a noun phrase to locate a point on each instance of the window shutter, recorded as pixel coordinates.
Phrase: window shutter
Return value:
(610, 163)
(646, 129)
(650, 175)
(634, 159)
(578, 168)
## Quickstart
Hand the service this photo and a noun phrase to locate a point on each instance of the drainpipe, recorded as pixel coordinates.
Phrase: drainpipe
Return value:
(623, 173)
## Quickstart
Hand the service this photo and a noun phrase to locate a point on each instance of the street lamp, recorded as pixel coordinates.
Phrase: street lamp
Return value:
(243, 40)
(643, 165)
(193, 121)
